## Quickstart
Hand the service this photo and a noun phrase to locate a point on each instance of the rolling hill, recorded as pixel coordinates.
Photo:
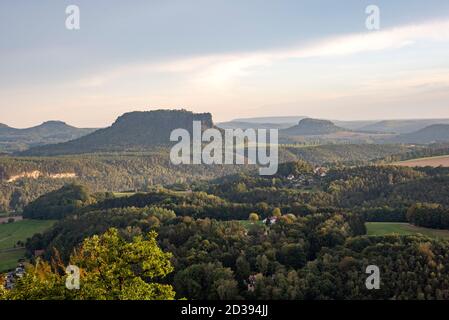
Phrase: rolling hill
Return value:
(4, 129)
(402, 126)
(12, 139)
(431, 134)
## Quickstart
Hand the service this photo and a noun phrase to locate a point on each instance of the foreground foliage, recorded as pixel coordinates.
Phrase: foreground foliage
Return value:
(110, 268)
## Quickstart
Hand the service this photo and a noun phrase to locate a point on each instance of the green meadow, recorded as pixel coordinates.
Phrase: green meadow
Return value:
(385, 228)
(11, 233)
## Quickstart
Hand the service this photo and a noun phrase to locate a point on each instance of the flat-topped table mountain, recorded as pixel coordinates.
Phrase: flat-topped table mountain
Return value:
(130, 131)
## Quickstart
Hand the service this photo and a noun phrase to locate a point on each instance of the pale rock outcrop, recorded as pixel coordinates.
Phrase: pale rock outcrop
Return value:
(36, 174)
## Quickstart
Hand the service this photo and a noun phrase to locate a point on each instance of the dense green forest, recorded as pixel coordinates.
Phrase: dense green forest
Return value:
(59, 203)
(433, 150)
(140, 171)
(313, 246)
(429, 215)
(98, 172)
(224, 232)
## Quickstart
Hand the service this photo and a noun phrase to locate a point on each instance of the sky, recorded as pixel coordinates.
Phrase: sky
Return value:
(233, 58)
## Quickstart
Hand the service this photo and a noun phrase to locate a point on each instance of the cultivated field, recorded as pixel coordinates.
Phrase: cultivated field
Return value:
(9, 258)
(385, 228)
(426, 162)
(18, 231)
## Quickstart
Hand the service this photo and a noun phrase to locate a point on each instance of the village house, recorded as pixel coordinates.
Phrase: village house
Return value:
(321, 171)
(270, 220)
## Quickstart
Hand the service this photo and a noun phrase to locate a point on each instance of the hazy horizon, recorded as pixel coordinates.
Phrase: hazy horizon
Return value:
(232, 59)
(233, 120)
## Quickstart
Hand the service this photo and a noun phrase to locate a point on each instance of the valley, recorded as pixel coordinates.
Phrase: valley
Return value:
(337, 201)
(217, 158)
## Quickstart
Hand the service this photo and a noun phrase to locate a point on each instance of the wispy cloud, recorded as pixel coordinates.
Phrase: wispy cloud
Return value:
(217, 69)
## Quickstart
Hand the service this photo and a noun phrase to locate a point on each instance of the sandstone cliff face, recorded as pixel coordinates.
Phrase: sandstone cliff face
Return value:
(32, 174)
(36, 174)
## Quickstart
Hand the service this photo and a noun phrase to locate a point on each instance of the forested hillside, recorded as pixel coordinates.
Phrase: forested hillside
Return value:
(131, 131)
(23, 179)
(313, 246)
(101, 172)
(431, 134)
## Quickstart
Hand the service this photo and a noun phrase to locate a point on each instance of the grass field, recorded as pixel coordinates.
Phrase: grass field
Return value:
(385, 228)
(8, 259)
(424, 162)
(123, 194)
(247, 224)
(11, 233)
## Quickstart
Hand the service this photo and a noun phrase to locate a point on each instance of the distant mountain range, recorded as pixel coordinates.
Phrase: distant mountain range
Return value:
(142, 130)
(275, 120)
(327, 131)
(402, 126)
(382, 126)
(253, 125)
(131, 131)
(12, 139)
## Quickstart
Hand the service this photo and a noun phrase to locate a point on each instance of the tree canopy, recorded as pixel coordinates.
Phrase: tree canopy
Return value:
(110, 268)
